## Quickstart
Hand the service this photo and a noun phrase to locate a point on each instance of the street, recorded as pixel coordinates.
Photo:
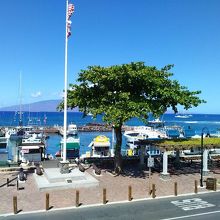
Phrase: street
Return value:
(203, 206)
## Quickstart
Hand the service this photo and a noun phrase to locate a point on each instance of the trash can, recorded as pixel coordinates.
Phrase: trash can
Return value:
(211, 184)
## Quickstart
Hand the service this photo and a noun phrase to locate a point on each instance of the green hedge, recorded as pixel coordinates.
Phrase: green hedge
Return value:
(188, 143)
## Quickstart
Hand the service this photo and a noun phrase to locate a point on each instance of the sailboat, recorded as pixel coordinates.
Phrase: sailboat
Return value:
(3, 147)
(20, 106)
(18, 132)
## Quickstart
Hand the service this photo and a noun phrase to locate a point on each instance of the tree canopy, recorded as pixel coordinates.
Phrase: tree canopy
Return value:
(121, 92)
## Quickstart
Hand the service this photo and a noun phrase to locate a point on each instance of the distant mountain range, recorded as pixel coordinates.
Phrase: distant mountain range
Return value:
(42, 106)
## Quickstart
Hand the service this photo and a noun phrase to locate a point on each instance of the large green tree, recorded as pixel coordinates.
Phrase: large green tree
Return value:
(121, 92)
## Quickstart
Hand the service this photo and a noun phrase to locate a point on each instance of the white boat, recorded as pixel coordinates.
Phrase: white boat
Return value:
(143, 133)
(155, 131)
(3, 148)
(156, 123)
(72, 130)
(32, 149)
(72, 147)
(19, 132)
(72, 143)
(100, 147)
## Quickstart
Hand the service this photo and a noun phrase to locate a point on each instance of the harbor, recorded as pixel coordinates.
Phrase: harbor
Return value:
(91, 129)
(110, 104)
(94, 144)
(90, 155)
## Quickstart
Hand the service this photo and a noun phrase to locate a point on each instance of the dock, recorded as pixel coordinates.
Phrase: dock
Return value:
(86, 128)
(57, 129)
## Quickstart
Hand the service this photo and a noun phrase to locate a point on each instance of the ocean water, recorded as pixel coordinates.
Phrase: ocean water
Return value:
(195, 121)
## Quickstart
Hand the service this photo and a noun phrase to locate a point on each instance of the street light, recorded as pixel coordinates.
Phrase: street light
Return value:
(201, 172)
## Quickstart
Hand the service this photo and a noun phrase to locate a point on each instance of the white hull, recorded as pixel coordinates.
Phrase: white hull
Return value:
(143, 133)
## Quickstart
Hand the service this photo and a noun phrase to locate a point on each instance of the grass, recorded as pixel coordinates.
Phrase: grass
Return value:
(188, 143)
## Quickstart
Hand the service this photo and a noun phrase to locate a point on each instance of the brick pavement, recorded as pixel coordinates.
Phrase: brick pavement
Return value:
(31, 199)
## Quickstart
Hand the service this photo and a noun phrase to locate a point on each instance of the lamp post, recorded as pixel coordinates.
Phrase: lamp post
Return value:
(201, 171)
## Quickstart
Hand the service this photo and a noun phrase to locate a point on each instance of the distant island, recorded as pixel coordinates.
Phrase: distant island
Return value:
(41, 106)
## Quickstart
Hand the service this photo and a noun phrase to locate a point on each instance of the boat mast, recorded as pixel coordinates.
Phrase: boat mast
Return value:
(113, 138)
(29, 114)
(20, 113)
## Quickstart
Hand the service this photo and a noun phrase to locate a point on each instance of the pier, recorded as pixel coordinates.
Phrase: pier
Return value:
(57, 129)
(86, 128)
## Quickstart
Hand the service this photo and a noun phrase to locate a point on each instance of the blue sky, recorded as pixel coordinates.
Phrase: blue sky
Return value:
(185, 33)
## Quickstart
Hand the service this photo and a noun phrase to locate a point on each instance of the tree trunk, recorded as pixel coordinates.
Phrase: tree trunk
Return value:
(142, 156)
(177, 159)
(118, 157)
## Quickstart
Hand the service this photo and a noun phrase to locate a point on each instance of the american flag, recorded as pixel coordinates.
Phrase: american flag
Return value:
(68, 28)
(69, 14)
(70, 10)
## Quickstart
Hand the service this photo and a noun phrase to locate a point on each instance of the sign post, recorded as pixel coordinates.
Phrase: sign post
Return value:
(150, 163)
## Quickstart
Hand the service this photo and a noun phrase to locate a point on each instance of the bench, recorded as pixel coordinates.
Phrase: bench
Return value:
(39, 170)
(81, 167)
(20, 183)
(96, 169)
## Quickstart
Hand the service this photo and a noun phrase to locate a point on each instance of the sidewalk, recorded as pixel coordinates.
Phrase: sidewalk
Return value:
(31, 199)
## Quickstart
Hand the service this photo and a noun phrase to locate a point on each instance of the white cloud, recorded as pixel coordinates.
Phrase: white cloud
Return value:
(36, 94)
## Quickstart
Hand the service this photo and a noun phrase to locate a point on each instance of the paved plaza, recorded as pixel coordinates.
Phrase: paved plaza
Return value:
(31, 198)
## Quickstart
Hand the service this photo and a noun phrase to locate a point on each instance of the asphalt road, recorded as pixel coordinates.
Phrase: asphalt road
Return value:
(196, 207)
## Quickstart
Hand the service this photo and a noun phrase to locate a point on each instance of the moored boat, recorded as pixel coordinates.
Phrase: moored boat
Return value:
(100, 147)
(32, 149)
(72, 147)
(136, 136)
(3, 148)
(143, 133)
(72, 143)
(72, 130)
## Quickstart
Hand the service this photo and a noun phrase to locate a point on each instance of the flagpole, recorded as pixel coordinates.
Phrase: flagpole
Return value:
(65, 89)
